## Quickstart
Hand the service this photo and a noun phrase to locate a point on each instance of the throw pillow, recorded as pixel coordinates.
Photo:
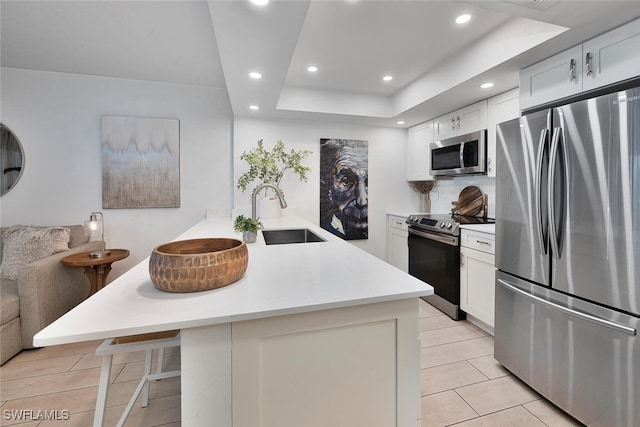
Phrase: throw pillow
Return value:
(24, 244)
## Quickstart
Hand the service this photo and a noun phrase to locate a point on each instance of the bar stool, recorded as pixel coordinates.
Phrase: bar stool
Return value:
(146, 342)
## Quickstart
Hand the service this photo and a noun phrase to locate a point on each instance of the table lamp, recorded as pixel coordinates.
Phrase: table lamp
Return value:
(93, 227)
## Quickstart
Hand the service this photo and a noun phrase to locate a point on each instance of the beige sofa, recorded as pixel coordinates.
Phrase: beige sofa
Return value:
(44, 291)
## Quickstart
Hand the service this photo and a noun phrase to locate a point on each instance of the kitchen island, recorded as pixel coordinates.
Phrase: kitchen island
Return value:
(316, 333)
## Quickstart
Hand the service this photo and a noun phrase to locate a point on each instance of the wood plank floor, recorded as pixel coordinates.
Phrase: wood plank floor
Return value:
(462, 384)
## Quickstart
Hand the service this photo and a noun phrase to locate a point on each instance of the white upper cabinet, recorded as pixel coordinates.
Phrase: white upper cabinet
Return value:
(500, 108)
(554, 78)
(610, 58)
(419, 153)
(465, 120)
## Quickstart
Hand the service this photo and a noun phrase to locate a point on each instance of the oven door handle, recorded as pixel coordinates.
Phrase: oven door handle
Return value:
(449, 240)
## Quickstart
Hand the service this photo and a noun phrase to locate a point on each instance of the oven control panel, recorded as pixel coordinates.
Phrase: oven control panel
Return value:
(439, 225)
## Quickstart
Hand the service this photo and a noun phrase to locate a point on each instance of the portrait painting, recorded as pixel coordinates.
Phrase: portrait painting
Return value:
(344, 187)
(140, 163)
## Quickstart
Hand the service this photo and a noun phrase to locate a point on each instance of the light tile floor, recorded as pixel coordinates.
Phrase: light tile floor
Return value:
(462, 384)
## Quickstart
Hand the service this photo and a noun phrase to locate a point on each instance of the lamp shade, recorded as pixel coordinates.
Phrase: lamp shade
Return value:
(95, 227)
(92, 228)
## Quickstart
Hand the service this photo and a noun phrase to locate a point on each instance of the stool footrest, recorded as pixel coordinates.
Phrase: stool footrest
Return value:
(143, 381)
(110, 347)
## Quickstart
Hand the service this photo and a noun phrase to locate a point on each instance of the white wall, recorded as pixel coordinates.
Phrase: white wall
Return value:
(447, 190)
(57, 118)
(388, 188)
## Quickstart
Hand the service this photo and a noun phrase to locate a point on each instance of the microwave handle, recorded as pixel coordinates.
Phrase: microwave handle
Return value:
(462, 154)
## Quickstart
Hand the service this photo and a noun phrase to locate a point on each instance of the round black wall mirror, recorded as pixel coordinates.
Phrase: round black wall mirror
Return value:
(11, 159)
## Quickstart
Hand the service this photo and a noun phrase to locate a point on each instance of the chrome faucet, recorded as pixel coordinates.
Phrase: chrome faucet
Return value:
(283, 204)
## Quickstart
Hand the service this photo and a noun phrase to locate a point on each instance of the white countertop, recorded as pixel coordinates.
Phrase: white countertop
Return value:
(481, 228)
(280, 280)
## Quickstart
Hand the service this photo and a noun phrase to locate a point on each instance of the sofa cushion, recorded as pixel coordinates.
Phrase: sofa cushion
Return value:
(9, 301)
(76, 235)
(23, 244)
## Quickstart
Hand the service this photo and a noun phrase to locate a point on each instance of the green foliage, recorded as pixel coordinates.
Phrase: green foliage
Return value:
(242, 223)
(269, 166)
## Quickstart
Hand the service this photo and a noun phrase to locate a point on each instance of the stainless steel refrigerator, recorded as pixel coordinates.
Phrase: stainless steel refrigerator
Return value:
(568, 255)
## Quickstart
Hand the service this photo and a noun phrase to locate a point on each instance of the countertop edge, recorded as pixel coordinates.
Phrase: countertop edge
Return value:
(99, 335)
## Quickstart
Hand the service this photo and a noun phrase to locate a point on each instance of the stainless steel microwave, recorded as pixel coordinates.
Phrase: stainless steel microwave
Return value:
(460, 155)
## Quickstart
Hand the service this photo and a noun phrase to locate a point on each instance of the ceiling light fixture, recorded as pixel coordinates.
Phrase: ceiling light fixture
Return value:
(486, 85)
(463, 19)
(312, 68)
(254, 107)
(260, 2)
(400, 122)
(387, 78)
(255, 75)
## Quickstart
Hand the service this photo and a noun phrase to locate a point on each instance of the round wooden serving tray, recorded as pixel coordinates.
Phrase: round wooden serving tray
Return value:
(470, 202)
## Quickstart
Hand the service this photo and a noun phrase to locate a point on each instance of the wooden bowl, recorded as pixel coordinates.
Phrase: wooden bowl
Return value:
(198, 264)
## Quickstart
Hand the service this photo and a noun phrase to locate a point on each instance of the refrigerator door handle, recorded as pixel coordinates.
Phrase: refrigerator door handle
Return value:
(542, 234)
(584, 316)
(553, 157)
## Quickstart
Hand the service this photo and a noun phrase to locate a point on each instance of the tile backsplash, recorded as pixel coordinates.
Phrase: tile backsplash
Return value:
(448, 189)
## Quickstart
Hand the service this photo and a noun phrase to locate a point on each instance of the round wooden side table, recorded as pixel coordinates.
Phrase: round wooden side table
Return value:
(96, 269)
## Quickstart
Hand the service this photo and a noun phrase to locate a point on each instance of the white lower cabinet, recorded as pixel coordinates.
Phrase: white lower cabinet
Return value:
(348, 366)
(477, 276)
(397, 249)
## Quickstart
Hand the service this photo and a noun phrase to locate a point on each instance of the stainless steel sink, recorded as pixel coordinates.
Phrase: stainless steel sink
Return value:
(283, 237)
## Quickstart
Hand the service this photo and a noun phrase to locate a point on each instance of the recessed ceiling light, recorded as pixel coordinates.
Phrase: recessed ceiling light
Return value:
(312, 68)
(463, 19)
(255, 75)
(260, 2)
(486, 85)
(387, 78)
(254, 107)
(400, 122)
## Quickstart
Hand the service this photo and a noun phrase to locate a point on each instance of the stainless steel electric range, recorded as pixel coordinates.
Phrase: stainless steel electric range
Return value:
(434, 257)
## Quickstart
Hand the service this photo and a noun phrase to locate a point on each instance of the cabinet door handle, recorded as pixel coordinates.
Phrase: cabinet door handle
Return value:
(461, 260)
(458, 122)
(483, 243)
(453, 123)
(588, 63)
(572, 70)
